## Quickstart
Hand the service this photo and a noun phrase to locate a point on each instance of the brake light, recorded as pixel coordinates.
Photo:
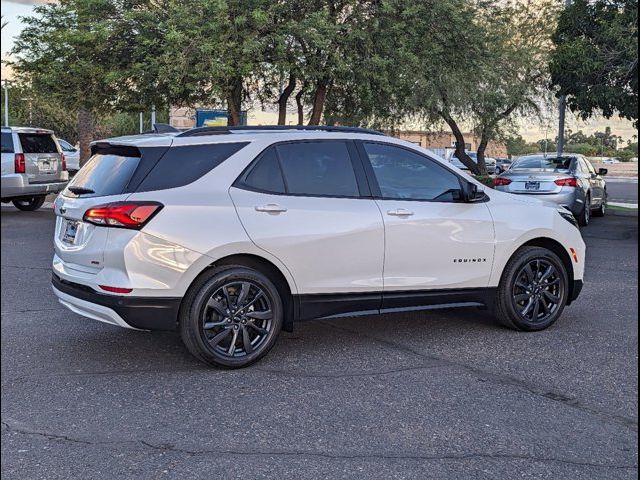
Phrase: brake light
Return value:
(501, 181)
(64, 162)
(107, 288)
(132, 215)
(19, 163)
(567, 182)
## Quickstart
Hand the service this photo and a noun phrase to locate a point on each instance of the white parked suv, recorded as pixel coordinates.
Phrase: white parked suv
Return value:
(33, 166)
(231, 234)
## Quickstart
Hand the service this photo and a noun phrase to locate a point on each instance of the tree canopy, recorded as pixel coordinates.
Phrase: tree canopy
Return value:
(595, 62)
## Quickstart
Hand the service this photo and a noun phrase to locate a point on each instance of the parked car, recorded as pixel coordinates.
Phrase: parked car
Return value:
(33, 166)
(610, 161)
(489, 162)
(570, 181)
(230, 235)
(71, 155)
(502, 165)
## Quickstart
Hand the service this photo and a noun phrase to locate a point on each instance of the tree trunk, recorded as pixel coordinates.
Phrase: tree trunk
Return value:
(318, 102)
(85, 134)
(460, 150)
(234, 102)
(482, 147)
(300, 105)
(284, 98)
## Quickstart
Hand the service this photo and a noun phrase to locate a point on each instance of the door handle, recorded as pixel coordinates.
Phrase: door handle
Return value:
(271, 208)
(400, 212)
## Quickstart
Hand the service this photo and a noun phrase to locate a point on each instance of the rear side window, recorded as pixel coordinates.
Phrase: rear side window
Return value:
(104, 174)
(266, 175)
(7, 142)
(318, 168)
(37, 143)
(180, 166)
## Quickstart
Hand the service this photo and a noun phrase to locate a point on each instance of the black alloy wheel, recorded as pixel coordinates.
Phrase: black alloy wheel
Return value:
(231, 316)
(533, 290)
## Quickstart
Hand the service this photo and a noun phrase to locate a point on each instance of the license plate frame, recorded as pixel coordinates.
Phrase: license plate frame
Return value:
(46, 165)
(70, 231)
(532, 185)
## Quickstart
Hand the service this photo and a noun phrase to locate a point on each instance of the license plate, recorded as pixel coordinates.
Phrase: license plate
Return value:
(532, 186)
(46, 165)
(70, 231)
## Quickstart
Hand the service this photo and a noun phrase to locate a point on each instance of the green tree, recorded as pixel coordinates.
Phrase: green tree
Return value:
(63, 53)
(595, 62)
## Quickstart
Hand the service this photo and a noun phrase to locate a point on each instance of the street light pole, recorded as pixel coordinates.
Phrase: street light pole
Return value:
(562, 106)
(6, 102)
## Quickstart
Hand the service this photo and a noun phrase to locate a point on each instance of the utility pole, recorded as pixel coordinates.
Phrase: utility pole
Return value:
(5, 83)
(562, 106)
(141, 122)
(153, 116)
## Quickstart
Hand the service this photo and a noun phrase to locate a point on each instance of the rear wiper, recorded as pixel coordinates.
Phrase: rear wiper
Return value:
(80, 190)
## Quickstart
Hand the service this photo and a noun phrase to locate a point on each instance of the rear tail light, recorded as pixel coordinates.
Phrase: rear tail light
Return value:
(501, 182)
(19, 162)
(64, 162)
(132, 215)
(567, 182)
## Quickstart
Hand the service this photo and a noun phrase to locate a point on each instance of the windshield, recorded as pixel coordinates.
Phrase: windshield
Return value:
(541, 162)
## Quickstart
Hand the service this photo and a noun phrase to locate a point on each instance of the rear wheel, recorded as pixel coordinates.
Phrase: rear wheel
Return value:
(29, 204)
(231, 317)
(533, 290)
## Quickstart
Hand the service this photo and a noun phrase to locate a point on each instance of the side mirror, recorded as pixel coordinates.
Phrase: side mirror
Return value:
(603, 171)
(471, 194)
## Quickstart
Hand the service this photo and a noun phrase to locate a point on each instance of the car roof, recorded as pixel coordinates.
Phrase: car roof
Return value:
(27, 130)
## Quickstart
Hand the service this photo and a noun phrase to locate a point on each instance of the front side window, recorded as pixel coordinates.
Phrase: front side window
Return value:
(318, 168)
(405, 175)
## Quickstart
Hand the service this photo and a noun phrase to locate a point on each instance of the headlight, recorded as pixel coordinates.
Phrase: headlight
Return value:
(568, 216)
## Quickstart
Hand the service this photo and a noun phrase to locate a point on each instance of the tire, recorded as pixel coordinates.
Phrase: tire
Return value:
(585, 214)
(521, 289)
(34, 203)
(218, 330)
(601, 211)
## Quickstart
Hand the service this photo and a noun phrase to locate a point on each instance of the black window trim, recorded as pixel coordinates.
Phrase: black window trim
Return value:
(356, 165)
(373, 181)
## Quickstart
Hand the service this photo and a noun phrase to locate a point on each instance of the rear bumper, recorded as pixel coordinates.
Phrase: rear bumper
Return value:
(142, 313)
(16, 186)
(564, 199)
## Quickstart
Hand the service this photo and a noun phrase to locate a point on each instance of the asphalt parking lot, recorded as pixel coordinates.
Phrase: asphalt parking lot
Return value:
(441, 395)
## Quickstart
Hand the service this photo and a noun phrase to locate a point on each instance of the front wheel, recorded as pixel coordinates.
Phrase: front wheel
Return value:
(602, 209)
(231, 317)
(533, 290)
(30, 204)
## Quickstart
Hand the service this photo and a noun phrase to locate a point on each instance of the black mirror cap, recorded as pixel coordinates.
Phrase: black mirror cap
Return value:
(603, 171)
(471, 194)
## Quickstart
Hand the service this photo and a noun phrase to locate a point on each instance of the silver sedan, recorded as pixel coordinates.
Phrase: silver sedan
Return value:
(569, 180)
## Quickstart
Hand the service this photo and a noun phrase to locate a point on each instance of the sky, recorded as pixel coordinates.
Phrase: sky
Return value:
(531, 131)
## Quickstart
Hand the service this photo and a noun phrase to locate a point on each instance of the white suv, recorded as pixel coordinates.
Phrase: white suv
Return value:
(230, 235)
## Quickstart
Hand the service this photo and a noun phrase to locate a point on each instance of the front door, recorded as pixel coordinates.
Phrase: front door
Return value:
(434, 241)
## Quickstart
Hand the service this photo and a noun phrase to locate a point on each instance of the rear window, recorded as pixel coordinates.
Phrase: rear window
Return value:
(37, 143)
(103, 174)
(7, 142)
(541, 162)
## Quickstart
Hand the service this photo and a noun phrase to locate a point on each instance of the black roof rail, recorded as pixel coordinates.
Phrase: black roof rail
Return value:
(202, 131)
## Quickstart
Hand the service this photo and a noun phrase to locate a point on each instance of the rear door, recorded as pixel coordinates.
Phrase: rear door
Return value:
(307, 204)
(42, 157)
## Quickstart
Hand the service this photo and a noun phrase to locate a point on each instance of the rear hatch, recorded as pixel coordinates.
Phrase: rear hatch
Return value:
(42, 156)
(103, 179)
(534, 181)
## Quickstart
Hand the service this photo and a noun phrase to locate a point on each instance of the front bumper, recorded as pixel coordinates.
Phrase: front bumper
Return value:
(17, 186)
(142, 313)
(575, 291)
